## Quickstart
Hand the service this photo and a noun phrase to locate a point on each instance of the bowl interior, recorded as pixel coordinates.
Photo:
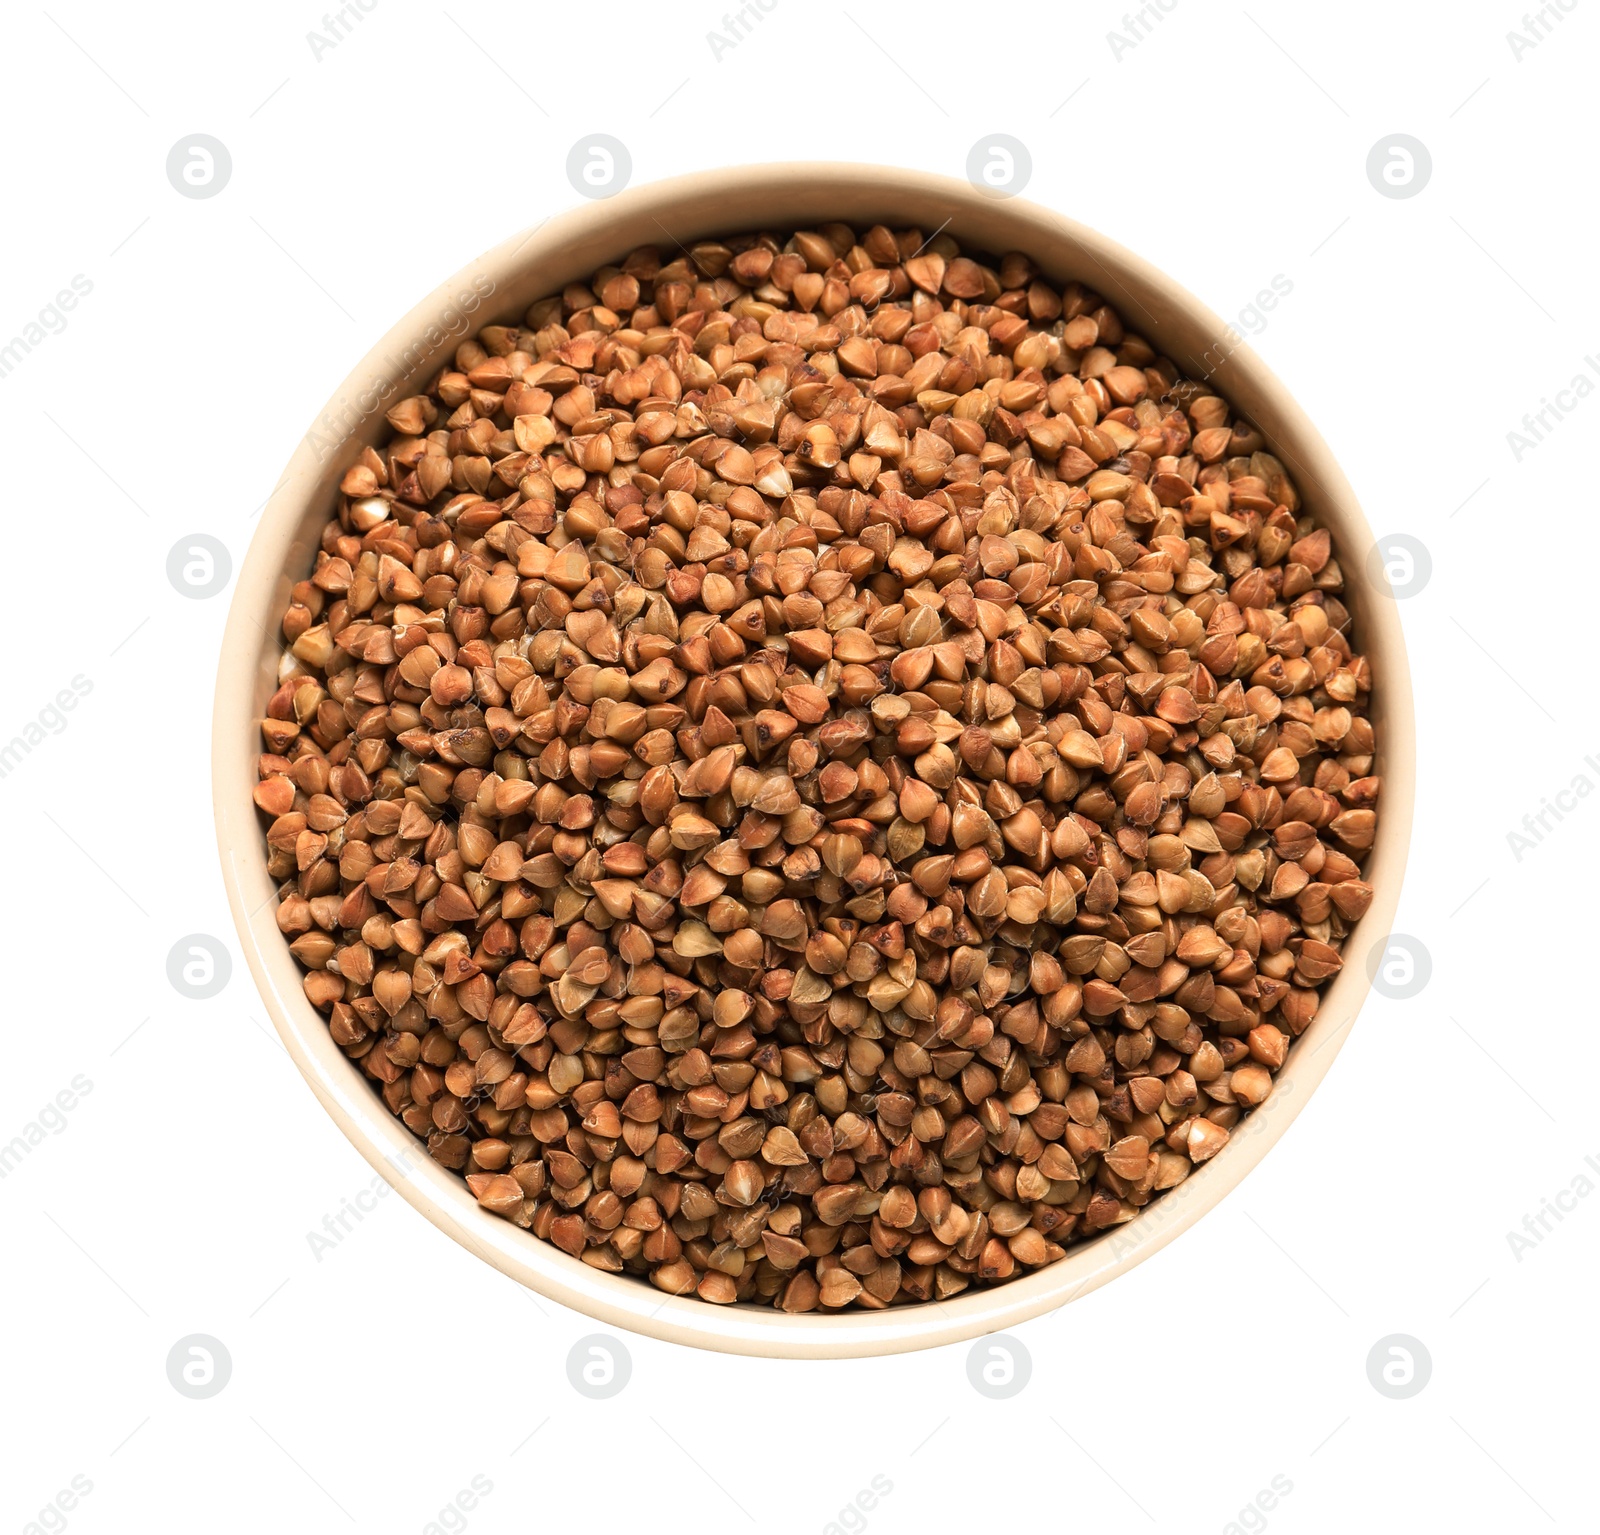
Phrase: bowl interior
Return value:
(499, 287)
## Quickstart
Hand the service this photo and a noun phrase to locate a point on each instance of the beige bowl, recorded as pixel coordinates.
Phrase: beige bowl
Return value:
(500, 286)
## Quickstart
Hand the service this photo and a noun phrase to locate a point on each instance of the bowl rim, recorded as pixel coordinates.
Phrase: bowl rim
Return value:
(541, 259)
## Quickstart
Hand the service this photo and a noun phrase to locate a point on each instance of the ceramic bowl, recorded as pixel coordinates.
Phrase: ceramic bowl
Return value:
(499, 286)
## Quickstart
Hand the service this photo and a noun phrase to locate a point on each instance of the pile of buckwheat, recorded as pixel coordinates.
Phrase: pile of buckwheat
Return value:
(820, 771)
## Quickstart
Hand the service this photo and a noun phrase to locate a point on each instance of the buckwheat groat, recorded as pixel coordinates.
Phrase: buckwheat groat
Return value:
(818, 770)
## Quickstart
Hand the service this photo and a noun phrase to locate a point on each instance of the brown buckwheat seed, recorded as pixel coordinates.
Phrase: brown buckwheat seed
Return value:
(819, 771)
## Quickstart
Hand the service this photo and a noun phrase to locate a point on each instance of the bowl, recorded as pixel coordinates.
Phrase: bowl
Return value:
(499, 286)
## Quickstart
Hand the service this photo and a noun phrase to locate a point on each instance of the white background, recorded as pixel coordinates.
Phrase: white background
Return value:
(370, 1387)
